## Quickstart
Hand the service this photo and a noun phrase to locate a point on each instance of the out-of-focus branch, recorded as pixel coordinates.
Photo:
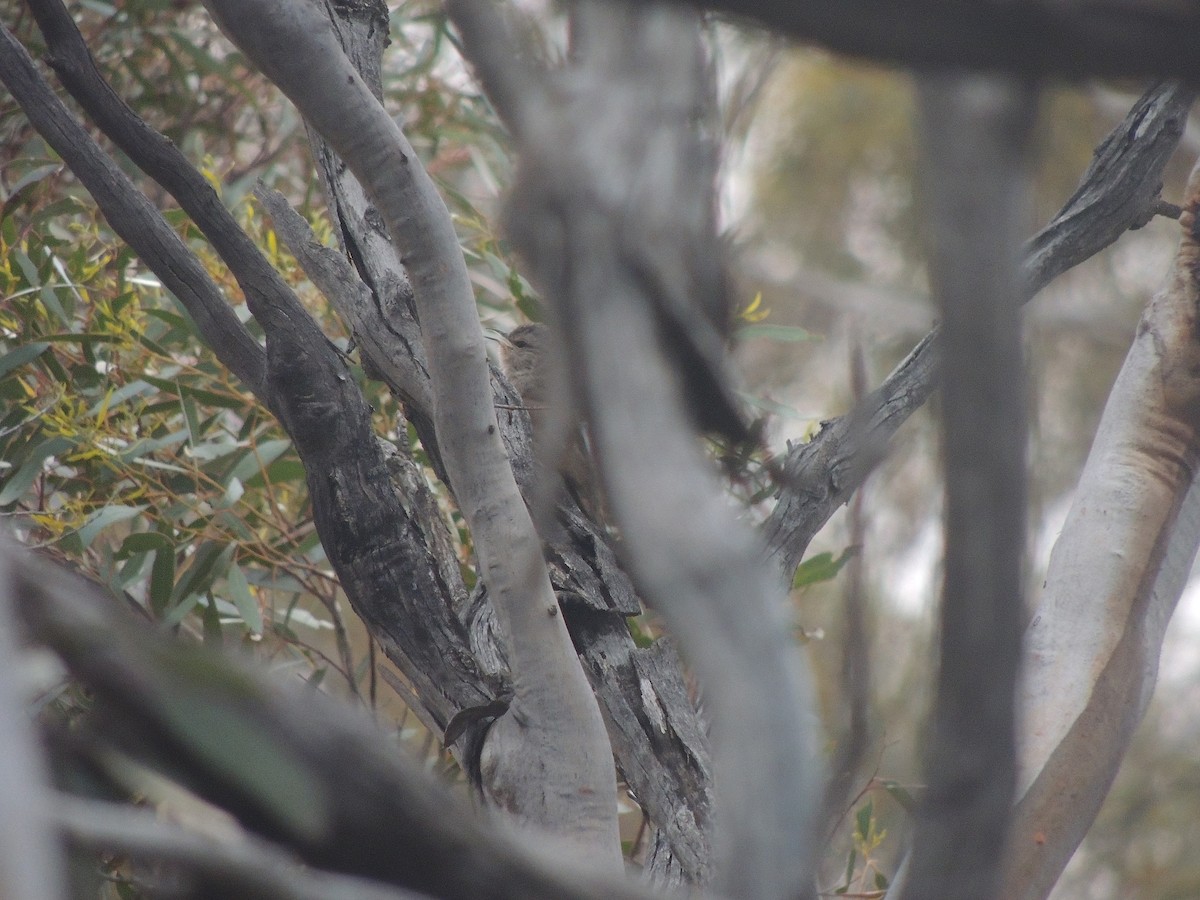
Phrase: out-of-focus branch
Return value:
(614, 211)
(299, 768)
(976, 138)
(1118, 192)
(856, 643)
(1036, 37)
(32, 863)
(243, 867)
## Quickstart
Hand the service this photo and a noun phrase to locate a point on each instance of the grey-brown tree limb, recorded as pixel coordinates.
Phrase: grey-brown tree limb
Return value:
(1118, 192)
(547, 760)
(369, 535)
(1141, 136)
(1115, 575)
(976, 137)
(656, 735)
(304, 771)
(613, 209)
(1073, 39)
(665, 764)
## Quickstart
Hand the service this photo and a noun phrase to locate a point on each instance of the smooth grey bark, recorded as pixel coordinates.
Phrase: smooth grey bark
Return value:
(547, 759)
(653, 726)
(613, 210)
(652, 723)
(1114, 578)
(976, 140)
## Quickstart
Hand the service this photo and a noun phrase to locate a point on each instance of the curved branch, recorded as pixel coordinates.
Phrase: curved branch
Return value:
(613, 209)
(554, 722)
(305, 771)
(1114, 578)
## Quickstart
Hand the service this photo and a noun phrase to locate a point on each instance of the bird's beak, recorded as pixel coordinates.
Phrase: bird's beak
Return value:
(498, 337)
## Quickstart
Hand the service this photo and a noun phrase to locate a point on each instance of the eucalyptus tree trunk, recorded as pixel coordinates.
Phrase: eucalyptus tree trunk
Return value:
(547, 759)
(1116, 573)
(614, 211)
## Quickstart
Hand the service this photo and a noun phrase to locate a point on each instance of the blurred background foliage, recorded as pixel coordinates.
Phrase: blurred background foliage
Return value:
(826, 198)
(128, 453)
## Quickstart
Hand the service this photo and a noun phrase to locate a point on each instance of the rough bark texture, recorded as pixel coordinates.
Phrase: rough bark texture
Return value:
(443, 679)
(1118, 192)
(546, 761)
(665, 761)
(387, 566)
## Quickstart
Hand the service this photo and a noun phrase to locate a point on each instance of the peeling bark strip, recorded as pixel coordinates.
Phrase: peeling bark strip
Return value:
(548, 760)
(1115, 576)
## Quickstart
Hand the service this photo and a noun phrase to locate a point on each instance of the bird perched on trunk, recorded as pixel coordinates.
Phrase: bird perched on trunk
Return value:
(528, 355)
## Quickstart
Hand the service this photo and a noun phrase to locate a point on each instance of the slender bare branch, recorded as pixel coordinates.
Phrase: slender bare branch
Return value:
(270, 300)
(1116, 193)
(855, 645)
